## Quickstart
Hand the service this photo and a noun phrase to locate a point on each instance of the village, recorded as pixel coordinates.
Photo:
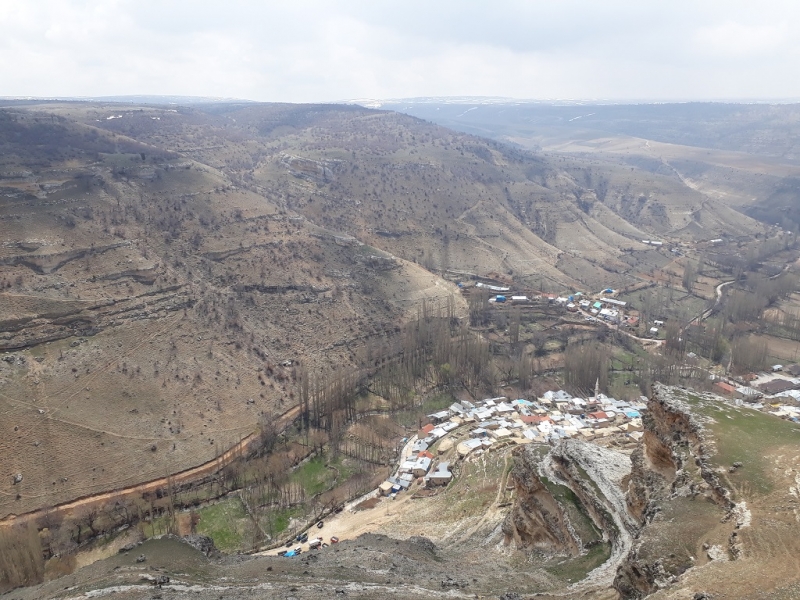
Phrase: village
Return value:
(468, 429)
(594, 307)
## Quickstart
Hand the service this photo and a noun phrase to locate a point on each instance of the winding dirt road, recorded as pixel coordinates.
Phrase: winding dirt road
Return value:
(136, 491)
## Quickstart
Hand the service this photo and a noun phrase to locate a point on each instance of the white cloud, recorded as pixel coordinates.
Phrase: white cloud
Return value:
(317, 50)
(735, 40)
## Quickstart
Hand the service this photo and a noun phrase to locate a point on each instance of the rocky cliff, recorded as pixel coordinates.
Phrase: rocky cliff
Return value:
(671, 477)
(570, 500)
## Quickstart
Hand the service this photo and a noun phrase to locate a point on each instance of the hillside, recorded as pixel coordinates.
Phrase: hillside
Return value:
(153, 311)
(168, 271)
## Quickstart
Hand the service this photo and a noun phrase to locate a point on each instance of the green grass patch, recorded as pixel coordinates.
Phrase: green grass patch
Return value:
(226, 523)
(314, 476)
(678, 530)
(575, 569)
(747, 436)
(573, 507)
(276, 522)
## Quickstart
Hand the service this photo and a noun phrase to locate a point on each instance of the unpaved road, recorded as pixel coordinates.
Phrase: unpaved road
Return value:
(176, 479)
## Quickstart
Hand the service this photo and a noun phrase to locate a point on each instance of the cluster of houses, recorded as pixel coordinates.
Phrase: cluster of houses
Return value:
(777, 393)
(472, 427)
(607, 309)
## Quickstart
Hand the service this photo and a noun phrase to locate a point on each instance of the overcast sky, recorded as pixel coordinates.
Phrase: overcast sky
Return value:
(307, 51)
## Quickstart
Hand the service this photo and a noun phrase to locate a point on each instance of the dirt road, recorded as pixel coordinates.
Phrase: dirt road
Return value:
(176, 479)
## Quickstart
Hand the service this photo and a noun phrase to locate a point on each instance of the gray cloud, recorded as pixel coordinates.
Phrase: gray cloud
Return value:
(317, 50)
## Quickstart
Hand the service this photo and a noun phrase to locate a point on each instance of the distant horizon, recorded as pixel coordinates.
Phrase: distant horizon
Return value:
(379, 102)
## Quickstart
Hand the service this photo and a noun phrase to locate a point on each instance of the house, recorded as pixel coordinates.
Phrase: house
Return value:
(419, 446)
(400, 483)
(500, 433)
(456, 409)
(440, 416)
(609, 314)
(425, 431)
(407, 466)
(464, 448)
(421, 466)
(441, 475)
(534, 419)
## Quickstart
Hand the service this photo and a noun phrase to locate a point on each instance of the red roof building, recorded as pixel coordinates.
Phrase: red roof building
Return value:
(534, 419)
(727, 388)
(423, 433)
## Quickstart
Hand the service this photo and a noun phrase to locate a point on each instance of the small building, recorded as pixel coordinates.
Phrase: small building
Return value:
(441, 475)
(614, 302)
(439, 417)
(386, 488)
(500, 433)
(466, 447)
(776, 368)
(407, 466)
(419, 446)
(519, 300)
(456, 409)
(421, 466)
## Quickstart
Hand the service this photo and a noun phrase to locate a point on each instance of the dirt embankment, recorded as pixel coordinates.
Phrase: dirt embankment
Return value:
(537, 520)
(594, 476)
(671, 463)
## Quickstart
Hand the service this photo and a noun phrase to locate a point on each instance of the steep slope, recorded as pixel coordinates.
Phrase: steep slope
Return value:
(152, 311)
(714, 486)
(428, 194)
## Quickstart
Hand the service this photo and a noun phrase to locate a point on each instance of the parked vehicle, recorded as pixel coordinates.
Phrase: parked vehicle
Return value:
(321, 524)
(289, 543)
(334, 540)
(282, 553)
(315, 543)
